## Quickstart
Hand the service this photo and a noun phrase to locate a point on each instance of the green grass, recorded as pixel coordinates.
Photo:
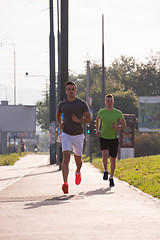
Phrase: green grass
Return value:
(142, 173)
(10, 159)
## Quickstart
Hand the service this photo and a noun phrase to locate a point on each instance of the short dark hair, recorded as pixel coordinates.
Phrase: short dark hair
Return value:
(70, 83)
(109, 96)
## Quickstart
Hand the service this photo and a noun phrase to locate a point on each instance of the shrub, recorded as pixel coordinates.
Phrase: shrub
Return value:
(147, 144)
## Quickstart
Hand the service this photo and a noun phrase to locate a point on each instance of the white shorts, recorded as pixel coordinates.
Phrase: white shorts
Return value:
(73, 143)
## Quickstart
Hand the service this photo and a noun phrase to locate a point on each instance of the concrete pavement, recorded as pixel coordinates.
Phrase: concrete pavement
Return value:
(32, 206)
(11, 174)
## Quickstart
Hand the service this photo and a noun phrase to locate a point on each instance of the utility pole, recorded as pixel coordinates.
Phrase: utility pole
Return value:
(59, 156)
(103, 78)
(59, 52)
(64, 48)
(88, 136)
(87, 83)
(52, 126)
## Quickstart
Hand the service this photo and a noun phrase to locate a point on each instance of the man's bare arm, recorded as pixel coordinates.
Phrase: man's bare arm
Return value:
(120, 125)
(86, 118)
(59, 120)
(97, 126)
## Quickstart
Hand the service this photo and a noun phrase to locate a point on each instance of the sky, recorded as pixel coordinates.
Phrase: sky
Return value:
(131, 28)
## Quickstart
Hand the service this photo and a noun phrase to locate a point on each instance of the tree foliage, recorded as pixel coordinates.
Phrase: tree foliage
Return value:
(42, 114)
(126, 79)
(113, 85)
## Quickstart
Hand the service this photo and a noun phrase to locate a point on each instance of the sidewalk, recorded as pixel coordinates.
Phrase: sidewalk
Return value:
(35, 208)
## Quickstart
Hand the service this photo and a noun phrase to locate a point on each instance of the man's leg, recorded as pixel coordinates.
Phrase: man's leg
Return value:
(105, 159)
(105, 164)
(113, 166)
(65, 165)
(78, 160)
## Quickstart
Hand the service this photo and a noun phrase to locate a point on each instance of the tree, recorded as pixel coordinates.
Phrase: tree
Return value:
(148, 77)
(127, 102)
(122, 72)
(142, 78)
(42, 114)
(126, 79)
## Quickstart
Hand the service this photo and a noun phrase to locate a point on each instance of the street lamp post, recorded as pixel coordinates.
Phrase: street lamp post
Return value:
(64, 48)
(14, 52)
(103, 68)
(52, 98)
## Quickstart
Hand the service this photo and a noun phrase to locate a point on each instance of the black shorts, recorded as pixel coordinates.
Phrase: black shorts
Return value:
(111, 145)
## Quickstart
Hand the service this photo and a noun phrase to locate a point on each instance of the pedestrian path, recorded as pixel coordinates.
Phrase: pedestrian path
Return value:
(35, 208)
(10, 174)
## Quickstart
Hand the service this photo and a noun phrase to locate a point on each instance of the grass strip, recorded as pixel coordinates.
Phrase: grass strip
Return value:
(10, 159)
(142, 173)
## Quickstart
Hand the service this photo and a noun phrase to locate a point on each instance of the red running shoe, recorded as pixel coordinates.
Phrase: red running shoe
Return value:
(65, 188)
(77, 178)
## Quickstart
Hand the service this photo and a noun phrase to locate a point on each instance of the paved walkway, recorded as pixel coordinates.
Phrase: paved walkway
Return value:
(33, 207)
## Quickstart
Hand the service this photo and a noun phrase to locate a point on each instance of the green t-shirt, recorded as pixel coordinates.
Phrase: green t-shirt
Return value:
(109, 117)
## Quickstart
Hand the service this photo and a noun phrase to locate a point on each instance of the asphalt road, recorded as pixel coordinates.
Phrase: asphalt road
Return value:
(33, 206)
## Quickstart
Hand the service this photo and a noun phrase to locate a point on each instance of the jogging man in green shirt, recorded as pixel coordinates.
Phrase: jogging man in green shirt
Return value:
(112, 120)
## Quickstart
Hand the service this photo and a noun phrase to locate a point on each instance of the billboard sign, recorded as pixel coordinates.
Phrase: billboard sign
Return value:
(149, 114)
(127, 136)
(17, 118)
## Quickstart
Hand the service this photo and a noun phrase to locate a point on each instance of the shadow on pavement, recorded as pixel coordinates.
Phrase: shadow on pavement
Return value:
(100, 191)
(29, 175)
(42, 173)
(65, 198)
(51, 201)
